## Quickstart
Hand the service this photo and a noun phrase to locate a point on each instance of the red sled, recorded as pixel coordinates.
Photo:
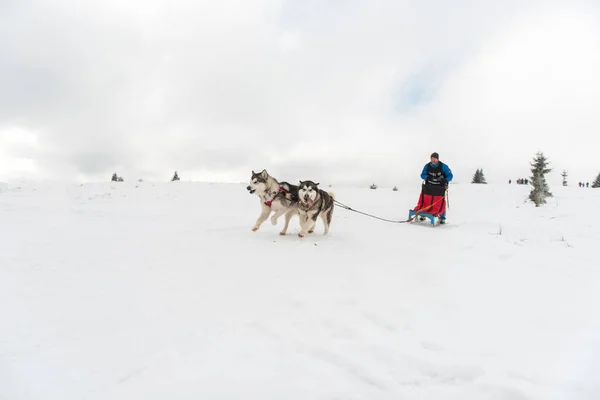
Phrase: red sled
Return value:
(432, 203)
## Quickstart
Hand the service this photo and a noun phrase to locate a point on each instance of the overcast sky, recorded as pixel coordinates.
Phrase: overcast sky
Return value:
(333, 91)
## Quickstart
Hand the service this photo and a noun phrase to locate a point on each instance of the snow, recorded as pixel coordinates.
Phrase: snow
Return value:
(160, 290)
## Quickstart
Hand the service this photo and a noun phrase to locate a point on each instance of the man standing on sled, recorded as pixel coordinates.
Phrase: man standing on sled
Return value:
(432, 201)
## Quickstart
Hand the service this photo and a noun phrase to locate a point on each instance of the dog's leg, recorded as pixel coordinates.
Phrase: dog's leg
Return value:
(278, 213)
(266, 210)
(326, 219)
(313, 223)
(305, 223)
(288, 217)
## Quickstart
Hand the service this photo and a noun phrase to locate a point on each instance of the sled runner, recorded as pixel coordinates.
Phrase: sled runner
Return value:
(431, 205)
(422, 216)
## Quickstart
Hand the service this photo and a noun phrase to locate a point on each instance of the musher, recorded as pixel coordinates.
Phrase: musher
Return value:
(436, 175)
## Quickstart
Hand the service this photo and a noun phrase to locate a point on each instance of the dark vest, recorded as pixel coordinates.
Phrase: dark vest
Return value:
(435, 175)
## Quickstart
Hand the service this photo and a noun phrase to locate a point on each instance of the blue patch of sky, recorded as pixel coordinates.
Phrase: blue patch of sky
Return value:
(417, 89)
(421, 86)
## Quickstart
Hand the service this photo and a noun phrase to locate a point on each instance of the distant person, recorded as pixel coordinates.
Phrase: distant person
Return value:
(587, 185)
(509, 181)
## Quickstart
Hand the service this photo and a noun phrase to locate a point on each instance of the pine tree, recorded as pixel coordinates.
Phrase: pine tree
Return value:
(373, 186)
(482, 177)
(114, 178)
(395, 189)
(479, 177)
(540, 190)
(175, 177)
(596, 183)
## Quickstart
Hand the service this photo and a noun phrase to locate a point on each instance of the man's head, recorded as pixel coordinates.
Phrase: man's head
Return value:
(435, 157)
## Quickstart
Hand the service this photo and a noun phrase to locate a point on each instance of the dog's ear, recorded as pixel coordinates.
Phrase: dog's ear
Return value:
(264, 174)
(317, 184)
(253, 173)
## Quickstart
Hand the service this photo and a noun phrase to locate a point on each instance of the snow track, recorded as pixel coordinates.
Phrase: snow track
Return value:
(153, 291)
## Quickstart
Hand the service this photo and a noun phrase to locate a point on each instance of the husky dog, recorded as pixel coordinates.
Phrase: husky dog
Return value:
(314, 202)
(279, 197)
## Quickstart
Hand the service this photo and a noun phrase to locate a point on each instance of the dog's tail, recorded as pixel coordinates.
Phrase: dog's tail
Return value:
(332, 195)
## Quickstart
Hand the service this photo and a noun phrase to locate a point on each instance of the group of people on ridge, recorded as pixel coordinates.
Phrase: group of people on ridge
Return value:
(520, 181)
(526, 182)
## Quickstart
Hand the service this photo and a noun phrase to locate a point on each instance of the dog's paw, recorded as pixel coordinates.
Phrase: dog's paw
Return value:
(311, 231)
(301, 234)
(282, 233)
(255, 229)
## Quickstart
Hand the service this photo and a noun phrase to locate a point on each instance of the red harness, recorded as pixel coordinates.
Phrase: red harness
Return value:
(281, 190)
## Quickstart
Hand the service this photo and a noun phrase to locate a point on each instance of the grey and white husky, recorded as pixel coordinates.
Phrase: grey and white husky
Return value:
(314, 202)
(278, 197)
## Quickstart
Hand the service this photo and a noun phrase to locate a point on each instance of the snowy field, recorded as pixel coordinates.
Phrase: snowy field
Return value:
(148, 291)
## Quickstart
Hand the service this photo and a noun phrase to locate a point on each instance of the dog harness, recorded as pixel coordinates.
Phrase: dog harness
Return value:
(280, 190)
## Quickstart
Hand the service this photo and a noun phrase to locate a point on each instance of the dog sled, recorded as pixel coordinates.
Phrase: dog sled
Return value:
(431, 205)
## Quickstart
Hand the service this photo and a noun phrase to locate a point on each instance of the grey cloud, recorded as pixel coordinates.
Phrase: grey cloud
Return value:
(95, 162)
(147, 87)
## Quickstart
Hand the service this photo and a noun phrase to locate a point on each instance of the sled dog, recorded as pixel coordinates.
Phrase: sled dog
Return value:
(278, 197)
(314, 202)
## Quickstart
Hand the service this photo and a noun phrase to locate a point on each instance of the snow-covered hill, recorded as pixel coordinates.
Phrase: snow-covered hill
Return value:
(161, 291)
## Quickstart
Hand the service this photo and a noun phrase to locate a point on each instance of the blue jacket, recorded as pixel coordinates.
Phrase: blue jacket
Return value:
(445, 169)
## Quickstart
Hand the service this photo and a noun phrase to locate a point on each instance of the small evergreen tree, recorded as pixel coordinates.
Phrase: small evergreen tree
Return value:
(540, 190)
(564, 176)
(116, 178)
(175, 177)
(395, 189)
(482, 177)
(479, 177)
(373, 186)
(596, 183)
